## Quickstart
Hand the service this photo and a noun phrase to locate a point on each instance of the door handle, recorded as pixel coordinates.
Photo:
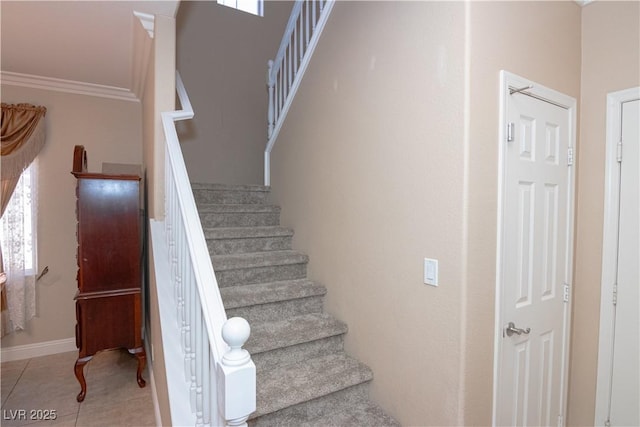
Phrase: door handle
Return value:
(511, 329)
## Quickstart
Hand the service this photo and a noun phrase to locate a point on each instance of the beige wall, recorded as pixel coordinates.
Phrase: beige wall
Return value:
(110, 131)
(370, 171)
(539, 41)
(159, 96)
(222, 57)
(610, 62)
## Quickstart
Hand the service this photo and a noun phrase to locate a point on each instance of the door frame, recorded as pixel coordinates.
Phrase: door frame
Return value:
(546, 94)
(615, 100)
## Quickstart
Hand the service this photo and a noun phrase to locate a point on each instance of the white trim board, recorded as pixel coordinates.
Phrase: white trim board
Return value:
(46, 348)
(68, 86)
(152, 383)
(609, 248)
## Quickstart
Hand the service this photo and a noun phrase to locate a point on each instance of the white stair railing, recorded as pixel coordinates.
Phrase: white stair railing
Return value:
(213, 380)
(285, 72)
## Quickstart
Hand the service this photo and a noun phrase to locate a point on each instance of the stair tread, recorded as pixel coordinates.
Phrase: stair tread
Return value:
(289, 385)
(257, 259)
(364, 413)
(229, 187)
(295, 330)
(264, 293)
(232, 216)
(204, 207)
(246, 232)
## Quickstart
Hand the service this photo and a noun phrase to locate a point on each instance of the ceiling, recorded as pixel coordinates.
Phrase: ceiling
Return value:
(79, 41)
(86, 42)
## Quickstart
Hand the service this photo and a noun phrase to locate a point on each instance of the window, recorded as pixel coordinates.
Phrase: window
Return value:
(254, 7)
(18, 231)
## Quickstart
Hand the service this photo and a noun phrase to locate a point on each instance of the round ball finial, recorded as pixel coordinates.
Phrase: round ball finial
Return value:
(235, 332)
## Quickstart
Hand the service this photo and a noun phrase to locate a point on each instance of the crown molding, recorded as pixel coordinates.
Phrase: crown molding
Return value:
(147, 20)
(68, 86)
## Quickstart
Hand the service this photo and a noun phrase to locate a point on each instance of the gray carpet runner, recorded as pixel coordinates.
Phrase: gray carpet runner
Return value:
(304, 377)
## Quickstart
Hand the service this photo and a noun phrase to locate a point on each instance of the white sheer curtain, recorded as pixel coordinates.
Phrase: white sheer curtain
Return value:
(22, 136)
(18, 237)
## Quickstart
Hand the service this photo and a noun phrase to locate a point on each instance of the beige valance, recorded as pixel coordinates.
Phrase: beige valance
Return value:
(22, 137)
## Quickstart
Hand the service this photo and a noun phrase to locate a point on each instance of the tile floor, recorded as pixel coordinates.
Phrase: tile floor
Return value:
(37, 387)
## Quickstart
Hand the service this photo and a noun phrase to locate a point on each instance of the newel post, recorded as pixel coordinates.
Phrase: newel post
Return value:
(237, 386)
(271, 109)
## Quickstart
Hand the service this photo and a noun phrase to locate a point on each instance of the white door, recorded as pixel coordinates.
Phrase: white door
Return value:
(625, 382)
(618, 391)
(535, 254)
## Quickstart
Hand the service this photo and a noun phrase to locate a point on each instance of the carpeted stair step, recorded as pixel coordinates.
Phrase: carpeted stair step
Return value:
(301, 414)
(247, 215)
(360, 414)
(306, 389)
(259, 267)
(233, 240)
(304, 377)
(294, 340)
(268, 302)
(232, 194)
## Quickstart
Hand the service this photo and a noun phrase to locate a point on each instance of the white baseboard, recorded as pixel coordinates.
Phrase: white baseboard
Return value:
(46, 348)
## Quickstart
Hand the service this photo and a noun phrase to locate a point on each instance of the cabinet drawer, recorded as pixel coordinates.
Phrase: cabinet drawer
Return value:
(107, 322)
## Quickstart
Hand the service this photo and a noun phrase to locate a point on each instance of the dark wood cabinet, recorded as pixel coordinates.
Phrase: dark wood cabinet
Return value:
(108, 301)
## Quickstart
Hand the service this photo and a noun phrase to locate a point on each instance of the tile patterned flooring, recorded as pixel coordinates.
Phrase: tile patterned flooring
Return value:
(44, 384)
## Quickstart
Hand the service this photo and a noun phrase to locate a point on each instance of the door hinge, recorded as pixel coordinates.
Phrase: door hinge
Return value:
(615, 294)
(510, 129)
(619, 152)
(570, 156)
(565, 292)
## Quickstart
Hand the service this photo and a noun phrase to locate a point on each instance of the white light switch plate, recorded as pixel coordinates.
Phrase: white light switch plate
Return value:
(431, 272)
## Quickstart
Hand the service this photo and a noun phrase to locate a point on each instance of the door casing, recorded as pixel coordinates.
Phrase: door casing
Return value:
(508, 79)
(615, 100)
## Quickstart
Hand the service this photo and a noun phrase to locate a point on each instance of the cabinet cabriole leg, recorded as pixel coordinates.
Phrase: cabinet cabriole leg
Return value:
(140, 354)
(79, 371)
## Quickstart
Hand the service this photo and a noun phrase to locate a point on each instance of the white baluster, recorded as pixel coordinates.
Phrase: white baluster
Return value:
(192, 305)
(237, 398)
(206, 383)
(300, 40)
(313, 14)
(295, 49)
(270, 113)
(290, 54)
(189, 307)
(201, 330)
(167, 194)
(194, 340)
(180, 256)
(280, 90)
(175, 226)
(307, 27)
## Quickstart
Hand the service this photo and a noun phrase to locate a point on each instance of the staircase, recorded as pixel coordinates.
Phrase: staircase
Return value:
(304, 377)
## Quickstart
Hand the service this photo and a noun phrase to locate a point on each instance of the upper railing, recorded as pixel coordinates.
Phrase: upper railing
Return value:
(214, 383)
(301, 36)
